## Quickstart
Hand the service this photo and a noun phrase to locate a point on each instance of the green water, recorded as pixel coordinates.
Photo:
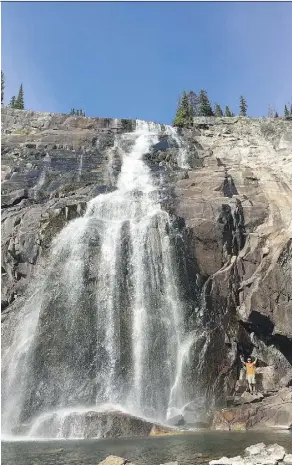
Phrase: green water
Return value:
(142, 451)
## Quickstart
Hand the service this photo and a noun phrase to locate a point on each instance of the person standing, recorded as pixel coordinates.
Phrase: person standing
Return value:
(250, 373)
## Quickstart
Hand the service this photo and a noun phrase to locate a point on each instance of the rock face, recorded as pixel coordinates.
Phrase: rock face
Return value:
(237, 210)
(257, 454)
(233, 208)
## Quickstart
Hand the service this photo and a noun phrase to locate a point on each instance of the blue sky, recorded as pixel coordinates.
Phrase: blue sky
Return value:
(133, 60)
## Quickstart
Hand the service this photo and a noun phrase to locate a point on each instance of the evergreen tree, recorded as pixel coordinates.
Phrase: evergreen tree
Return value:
(291, 109)
(286, 111)
(2, 86)
(193, 101)
(183, 115)
(243, 106)
(276, 115)
(228, 112)
(204, 107)
(218, 111)
(12, 102)
(20, 101)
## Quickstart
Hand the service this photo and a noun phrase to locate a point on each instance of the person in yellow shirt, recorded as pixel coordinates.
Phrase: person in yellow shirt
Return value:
(250, 373)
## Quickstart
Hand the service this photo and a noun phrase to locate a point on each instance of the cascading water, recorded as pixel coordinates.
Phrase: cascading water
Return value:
(105, 325)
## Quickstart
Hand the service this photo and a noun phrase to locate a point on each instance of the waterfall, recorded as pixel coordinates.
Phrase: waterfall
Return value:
(104, 326)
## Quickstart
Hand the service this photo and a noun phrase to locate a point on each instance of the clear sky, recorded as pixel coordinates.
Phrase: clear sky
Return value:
(132, 60)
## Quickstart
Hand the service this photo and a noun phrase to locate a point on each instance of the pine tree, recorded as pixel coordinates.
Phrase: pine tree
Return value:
(20, 101)
(227, 111)
(193, 101)
(286, 111)
(204, 107)
(12, 102)
(291, 109)
(218, 111)
(243, 106)
(2, 86)
(276, 115)
(183, 115)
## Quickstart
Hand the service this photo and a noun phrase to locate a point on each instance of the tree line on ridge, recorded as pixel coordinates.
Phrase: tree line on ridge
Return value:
(191, 105)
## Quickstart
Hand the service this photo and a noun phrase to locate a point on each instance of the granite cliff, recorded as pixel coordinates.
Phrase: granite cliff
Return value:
(232, 209)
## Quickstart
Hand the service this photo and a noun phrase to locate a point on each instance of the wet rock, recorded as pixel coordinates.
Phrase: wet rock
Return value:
(158, 430)
(94, 424)
(177, 420)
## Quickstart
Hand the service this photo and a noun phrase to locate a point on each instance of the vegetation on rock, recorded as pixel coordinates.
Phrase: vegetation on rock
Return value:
(242, 106)
(19, 103)
(74, 112)
(184, 112)
(217, 110)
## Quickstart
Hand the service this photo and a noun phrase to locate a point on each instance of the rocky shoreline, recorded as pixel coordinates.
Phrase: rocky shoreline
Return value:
(257, 454)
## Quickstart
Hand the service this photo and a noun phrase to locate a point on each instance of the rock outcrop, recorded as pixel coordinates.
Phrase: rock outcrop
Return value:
(258, 454)
(233, 208)
(274, 411)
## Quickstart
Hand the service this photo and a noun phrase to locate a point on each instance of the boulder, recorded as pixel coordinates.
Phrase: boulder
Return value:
(247, 398)
(177, 420)
(93, 424)
(257, 454)
(114, 460)
(288, 459)
(255, 449)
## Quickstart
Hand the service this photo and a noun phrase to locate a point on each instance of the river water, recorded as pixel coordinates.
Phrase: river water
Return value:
(141, 451)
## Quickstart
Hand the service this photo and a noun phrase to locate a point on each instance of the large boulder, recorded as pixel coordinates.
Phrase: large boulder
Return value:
(91, 424)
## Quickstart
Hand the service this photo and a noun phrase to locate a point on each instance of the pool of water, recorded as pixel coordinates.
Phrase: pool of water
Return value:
(141, 451)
